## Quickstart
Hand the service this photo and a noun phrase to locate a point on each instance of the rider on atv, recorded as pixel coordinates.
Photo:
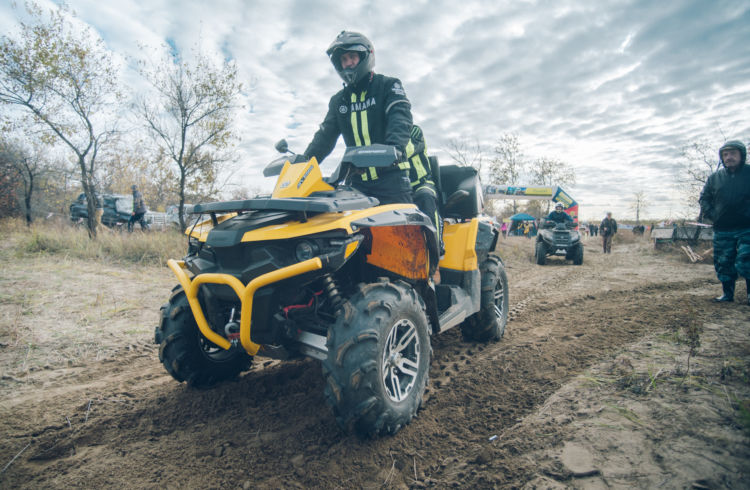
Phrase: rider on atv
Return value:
(558, 215)
(370, 109)
(318, 269)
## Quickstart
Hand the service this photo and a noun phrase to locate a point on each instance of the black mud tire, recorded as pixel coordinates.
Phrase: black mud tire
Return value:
(489, 322)
(360, 376)
(187, 355)
(540, 253)
(578, 255)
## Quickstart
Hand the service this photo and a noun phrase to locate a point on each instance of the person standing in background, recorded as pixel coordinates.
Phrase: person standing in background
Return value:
(139, 210)
(607, 230)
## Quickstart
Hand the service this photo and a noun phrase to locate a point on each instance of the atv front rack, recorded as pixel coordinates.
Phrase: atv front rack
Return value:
(244, 293)
(319, 202)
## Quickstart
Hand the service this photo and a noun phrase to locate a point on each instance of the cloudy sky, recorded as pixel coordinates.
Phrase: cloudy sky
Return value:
(613, 88)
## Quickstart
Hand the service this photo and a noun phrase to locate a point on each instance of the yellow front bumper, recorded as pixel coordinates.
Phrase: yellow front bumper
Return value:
(244, 293)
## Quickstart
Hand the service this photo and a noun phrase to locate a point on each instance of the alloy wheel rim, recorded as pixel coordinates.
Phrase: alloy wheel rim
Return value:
(499, 296)
(400, 363)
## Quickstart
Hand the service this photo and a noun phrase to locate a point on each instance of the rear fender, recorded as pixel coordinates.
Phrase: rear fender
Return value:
(403, 241)
(460, 246)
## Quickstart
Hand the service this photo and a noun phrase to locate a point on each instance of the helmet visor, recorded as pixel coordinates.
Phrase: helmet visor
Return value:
(336, 53)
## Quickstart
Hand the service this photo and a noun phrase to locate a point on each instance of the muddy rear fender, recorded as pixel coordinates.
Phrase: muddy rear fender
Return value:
(403, 241)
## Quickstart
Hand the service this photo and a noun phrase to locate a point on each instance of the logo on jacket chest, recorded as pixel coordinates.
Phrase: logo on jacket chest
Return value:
(363, 105)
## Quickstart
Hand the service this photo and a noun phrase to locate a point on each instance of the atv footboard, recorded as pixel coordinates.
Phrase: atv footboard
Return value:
(244, 292)
(457, 296)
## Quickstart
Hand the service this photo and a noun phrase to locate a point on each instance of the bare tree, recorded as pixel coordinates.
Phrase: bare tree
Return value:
(699, 160)
(191, 116)
(551, 172)
(466, 153)
(536, 208)
(64, 79)
(639, 204)
(508, 164)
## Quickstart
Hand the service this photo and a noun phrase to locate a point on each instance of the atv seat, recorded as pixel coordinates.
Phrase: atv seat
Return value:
(461, 193)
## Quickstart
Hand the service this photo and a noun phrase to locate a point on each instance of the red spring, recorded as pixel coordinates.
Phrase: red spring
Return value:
(290, 308)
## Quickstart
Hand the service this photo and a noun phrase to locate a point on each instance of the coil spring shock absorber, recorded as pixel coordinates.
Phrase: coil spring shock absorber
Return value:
(332, 292)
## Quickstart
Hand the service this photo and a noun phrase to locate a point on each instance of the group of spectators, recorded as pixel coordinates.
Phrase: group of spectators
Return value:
(518, 228)
(590, 229)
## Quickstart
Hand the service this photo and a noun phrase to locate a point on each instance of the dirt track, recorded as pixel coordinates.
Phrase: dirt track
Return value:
(588, 388)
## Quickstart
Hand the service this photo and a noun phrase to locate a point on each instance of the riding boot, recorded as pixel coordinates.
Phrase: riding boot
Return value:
(728, 296)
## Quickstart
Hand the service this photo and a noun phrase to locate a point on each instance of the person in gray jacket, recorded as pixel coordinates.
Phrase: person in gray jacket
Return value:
(139, 210)
(725, 201)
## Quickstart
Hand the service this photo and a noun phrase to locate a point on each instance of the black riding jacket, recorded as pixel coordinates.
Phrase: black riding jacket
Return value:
(375, 110)
(559, 217)
(725, 199)
(608, 227)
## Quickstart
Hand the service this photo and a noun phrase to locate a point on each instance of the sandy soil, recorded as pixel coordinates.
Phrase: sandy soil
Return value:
(589, 388)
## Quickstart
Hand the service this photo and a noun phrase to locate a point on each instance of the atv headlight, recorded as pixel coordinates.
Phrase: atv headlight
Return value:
(305, 250)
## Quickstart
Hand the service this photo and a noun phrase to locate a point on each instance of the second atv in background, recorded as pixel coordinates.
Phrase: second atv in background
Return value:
(558, 239)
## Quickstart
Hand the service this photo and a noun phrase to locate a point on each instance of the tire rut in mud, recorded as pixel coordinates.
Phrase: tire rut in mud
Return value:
(505, 382)
(273, 421)
(452, 356)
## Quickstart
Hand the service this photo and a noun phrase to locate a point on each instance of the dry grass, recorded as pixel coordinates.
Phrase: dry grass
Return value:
(66, 299)
(627, 236)
(62, 239)
(515, 249)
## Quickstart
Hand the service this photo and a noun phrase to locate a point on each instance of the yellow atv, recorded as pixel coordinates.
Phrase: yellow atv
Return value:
(318, 269)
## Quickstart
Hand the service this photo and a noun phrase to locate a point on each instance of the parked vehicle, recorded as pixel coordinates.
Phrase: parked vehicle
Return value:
(78, 208)
(318, 269)
(156, 220)
(116, 209)
(173, 216)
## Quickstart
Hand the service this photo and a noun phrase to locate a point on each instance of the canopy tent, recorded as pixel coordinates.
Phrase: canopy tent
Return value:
(522, 217)
(517, 224)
